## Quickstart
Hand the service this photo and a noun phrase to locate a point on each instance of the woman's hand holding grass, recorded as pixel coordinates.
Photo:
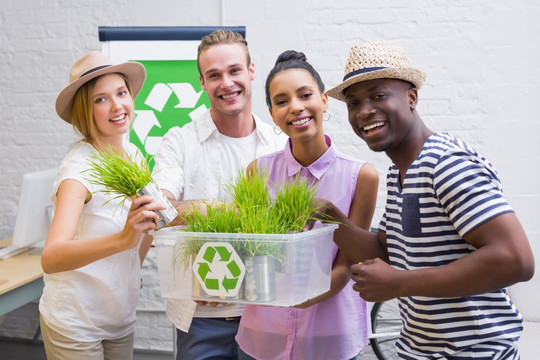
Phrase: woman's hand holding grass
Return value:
(141, 218)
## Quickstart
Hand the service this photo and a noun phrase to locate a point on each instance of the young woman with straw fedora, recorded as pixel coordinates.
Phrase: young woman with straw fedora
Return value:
(93, 252)
(334, 325)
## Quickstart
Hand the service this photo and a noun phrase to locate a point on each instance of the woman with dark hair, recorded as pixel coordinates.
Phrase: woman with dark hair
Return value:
(334, 325)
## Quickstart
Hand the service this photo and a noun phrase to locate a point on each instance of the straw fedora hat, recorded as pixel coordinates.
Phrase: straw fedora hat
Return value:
(89, 67)
(377, 60)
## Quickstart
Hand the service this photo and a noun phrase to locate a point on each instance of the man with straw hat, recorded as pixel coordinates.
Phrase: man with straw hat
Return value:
(448, 243)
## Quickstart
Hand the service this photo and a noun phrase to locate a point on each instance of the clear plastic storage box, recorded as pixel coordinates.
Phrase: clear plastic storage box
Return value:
(267, 269)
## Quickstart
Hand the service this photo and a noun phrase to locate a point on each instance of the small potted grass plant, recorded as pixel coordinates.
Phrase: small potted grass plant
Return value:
(250, 195)
(253, 211)
(121, 176)
(292, 208)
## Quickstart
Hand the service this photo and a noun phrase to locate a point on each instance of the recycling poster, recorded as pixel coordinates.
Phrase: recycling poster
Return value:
(171, 96)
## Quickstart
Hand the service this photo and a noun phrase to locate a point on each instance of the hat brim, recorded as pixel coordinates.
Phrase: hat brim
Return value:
(134, 72)
(413, 76)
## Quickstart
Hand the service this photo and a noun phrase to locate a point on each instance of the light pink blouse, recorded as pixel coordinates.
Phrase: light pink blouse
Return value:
(335, 329)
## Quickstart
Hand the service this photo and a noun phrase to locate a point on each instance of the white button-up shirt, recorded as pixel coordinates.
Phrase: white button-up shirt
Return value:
(187, 165)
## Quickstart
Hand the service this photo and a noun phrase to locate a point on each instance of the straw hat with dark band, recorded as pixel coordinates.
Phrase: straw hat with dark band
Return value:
(377, 60)
(89, 67)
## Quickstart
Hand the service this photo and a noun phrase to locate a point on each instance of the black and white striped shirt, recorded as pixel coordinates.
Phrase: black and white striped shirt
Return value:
(447, 191)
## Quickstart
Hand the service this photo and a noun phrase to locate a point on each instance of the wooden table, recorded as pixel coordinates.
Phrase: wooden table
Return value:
(21, 279)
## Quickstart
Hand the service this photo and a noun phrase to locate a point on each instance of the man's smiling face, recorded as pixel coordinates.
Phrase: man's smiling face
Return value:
(380, 111)
(226, 77)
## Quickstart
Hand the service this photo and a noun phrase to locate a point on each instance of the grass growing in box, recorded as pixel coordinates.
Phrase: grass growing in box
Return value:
(293, 204)
(118, 173)
(250, 190)
(289, 211)
(218, 218)
(253, 211)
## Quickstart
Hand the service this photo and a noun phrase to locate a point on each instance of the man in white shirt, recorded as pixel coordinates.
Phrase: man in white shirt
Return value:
(195, 161)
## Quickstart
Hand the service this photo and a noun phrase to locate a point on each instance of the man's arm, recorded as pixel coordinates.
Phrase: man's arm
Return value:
(183, 208)
(359, 244)
(503, 257)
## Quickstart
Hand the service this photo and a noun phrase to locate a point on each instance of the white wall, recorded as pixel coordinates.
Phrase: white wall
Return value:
(481, 60)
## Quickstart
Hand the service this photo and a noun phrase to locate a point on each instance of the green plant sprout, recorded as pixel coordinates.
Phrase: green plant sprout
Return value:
(218, 218)
(250, 190)
(293, 204)
(118, 173)
(182, 252)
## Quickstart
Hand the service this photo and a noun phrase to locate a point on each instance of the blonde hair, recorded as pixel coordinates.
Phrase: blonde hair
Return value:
(83, 110)
(219, 37)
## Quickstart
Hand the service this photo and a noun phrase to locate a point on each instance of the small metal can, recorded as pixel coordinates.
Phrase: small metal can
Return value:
(259, 282)
(164, 216)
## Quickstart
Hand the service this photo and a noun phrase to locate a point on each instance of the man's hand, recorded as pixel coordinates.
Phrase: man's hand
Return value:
(375, 280)
(211, 303)
(325, 211)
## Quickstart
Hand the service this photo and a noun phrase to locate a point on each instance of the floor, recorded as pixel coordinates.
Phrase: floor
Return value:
(24, 348)
(11, 349)
(27, 350)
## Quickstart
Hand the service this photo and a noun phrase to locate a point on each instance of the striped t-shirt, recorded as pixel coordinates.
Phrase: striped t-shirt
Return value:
(448, 190)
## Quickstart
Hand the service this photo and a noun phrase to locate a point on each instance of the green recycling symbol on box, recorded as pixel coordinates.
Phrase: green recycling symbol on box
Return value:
(219, 269)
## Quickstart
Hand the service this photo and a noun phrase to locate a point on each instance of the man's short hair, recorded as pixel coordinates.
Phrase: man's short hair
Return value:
(219, 37)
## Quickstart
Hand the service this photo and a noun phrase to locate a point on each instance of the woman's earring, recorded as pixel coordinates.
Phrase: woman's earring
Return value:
(327, 118)
(277, 130)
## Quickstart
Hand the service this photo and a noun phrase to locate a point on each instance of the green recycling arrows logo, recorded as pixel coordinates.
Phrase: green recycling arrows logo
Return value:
(171, 96)
(219, 269)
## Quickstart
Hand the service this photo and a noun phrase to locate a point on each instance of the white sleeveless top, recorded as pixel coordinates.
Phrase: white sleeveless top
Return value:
(96, 301)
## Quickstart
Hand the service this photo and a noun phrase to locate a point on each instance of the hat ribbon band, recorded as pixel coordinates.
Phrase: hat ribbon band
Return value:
(94, 69)
(362, 71)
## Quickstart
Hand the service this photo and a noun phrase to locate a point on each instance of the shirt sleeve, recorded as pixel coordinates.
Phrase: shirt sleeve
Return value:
(168, 171)
(469, 190)
(74, 166)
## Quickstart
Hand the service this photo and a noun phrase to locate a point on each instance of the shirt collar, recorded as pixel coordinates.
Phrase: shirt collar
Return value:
(317, 168)
(206, 128)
